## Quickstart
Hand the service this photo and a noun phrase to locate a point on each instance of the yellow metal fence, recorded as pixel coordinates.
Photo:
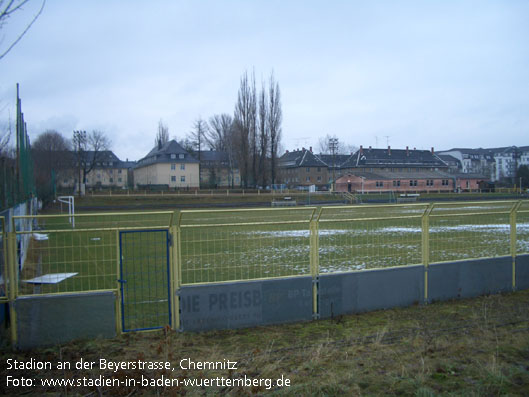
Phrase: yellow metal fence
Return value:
(208, 246)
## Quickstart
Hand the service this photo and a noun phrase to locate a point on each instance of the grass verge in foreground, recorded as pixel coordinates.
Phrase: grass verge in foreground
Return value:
(466, 347)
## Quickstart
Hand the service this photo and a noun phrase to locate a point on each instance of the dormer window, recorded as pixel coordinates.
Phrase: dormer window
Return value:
(181, 156)
(173, 156)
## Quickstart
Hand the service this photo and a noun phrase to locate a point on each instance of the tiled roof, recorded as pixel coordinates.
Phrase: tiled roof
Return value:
(300, 158)
(337, 159)
(170, 152)
(394, 158)
(448, 158)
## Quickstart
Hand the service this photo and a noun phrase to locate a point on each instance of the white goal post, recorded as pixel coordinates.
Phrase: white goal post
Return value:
(70, 200)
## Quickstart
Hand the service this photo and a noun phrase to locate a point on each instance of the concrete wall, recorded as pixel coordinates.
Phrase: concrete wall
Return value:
(466, 279)
(522, 272)
(363, 291)
(245, 304)
(48, 320)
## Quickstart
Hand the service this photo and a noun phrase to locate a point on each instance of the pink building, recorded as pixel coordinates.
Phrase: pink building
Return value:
(407, 182)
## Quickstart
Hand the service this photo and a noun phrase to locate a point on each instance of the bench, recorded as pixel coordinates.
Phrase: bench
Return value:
(408, 198)
(287, 202)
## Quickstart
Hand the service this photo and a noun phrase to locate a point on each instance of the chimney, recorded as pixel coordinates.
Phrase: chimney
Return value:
(414, 149)
(369, 147)
(389, 150)
(407, 151)
(310, 148)
(361, 149)
(432, 151)
(287, 151)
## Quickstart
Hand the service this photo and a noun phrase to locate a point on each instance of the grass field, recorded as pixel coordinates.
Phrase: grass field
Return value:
(474, 347)
(221, 245)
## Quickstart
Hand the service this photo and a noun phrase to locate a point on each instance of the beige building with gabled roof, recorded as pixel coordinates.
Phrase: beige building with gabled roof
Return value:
(167, 166)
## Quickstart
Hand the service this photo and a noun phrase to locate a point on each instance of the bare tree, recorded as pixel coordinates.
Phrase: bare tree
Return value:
(253, 129)
(275, 117)
(88, 148)
(219, 132)
(264, 134)
(196, 136)
(162, 137)
(50, 153)
(7, 9)
(220, 136)
(5, 137)
(243, 124)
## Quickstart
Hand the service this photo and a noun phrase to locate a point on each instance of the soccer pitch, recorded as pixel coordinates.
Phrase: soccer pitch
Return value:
(230, 245)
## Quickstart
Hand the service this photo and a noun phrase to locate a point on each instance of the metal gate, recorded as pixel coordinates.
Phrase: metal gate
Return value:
(144, 279)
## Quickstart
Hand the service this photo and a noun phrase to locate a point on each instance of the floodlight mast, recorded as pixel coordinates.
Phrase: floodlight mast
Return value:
(333, 146)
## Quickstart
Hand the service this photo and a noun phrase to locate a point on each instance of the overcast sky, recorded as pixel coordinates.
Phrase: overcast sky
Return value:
(423, 73)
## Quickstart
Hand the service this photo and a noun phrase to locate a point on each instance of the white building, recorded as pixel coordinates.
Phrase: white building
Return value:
(509, 160)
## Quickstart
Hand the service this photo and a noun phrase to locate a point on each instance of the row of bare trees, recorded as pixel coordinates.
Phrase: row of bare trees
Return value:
(251, 137)
(54, 154)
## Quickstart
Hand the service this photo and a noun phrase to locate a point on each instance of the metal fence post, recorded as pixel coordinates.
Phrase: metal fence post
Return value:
(5, 271)
(512, 221)
(425, 245)
(119, 313)
(13, 283)
(176, 274)
(314, 264)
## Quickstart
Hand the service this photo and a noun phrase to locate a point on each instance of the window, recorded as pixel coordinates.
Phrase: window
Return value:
(396, 183)
(173, 178)
(445, 182)
(173, 167)
(319, 169)
(182, 166)
(111, 163)
(119, 171)
(413, 182)
(379, 184)
(429, 182)
(319, 178)
(308, 169)
(181, 156)
(98, 176)
(182, 178)
(111, 180)
(119, 180)
(173, 156)
(307, 179)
